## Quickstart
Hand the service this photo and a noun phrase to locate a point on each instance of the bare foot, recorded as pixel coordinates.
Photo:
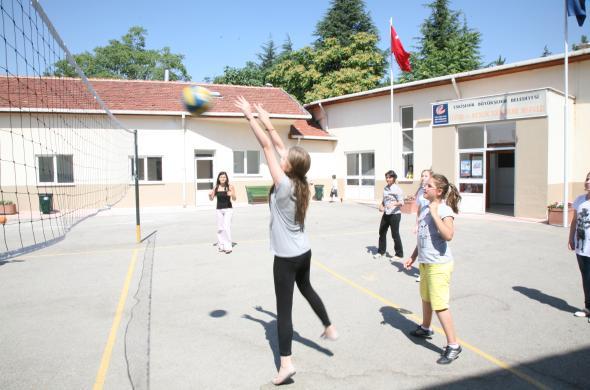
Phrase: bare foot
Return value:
(330, 333)
(284, 374)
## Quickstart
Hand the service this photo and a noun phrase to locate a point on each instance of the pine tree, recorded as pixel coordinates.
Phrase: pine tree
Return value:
(344, 19)
(447, 45)
(287, 46)
(268, 55)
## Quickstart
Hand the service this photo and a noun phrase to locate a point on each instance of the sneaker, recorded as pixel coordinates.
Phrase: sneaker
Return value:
(418, 278)
(421, 332)
(582, 313)
(377, 256)
(449, 354)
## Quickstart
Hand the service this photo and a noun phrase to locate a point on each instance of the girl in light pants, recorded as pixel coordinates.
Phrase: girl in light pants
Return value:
(224, 242)
(224, 192)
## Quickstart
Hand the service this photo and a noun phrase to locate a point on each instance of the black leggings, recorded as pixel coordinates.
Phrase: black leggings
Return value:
(287, 271)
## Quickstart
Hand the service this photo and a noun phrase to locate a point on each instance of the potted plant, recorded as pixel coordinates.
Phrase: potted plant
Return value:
(410, 206)
(7, 207)
(555, 213)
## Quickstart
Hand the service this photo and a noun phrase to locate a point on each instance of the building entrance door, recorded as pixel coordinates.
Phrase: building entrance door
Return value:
(204, 179)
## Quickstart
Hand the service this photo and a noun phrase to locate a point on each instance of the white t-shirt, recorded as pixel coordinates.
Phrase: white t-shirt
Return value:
(392, 194)
(432, 248)
(582, 236)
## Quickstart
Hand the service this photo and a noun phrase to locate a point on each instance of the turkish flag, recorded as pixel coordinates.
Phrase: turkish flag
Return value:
(401, 56)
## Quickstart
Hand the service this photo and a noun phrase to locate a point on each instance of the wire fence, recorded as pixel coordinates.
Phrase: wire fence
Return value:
(63, 155)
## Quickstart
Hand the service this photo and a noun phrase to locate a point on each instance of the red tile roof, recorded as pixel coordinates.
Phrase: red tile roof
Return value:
(308, 128)
(126, 95)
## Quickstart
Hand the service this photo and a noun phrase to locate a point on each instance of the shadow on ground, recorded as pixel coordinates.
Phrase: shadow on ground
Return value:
(270, 330)
(397, 320)
(556, 303)
(563, 371)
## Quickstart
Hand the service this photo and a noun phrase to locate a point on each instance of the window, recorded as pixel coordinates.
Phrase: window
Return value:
(151, 165)
(247, 162)
(58, 168)
(407, 116)
(360, 169)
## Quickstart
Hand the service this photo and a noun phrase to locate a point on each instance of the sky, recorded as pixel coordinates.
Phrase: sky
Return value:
(215, 34)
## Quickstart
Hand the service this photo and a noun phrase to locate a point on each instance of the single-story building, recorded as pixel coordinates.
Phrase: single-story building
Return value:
(496, 132)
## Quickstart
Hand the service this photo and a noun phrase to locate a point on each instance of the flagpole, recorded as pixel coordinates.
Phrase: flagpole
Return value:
(391, 96)
(565, 122)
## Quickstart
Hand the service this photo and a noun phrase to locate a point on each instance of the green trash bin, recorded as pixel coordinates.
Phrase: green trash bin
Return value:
(46, 203)
(319, 191)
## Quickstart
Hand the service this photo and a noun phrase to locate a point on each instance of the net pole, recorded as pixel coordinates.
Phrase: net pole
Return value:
(136, 175)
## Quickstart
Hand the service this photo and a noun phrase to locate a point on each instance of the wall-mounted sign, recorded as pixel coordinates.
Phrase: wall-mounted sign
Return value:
(527, 104)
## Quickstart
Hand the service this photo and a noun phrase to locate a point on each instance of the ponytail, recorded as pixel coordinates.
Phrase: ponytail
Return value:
(450, 194)
(453, 198)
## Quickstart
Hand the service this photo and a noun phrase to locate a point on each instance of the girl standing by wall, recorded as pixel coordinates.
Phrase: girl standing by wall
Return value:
(288, 202)
(224, 192)
(435, 230)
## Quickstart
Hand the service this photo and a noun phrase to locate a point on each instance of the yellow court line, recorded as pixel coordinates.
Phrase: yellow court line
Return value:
(108, 349)
(471, 347)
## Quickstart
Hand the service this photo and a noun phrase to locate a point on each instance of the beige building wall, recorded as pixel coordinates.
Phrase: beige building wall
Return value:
(531, 168)
(444, 155)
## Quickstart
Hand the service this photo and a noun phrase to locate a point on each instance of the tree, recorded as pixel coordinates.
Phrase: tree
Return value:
(251, 74)
(499, 61)
(269, 54)
(126, 59)
(582, 45)
(287, 47)
(447, 45)
(546, 52)
(344, 19)
(332, 70)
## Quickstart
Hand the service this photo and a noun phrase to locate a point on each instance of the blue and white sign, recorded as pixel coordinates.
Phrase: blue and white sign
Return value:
(440, 114)
(512, 105)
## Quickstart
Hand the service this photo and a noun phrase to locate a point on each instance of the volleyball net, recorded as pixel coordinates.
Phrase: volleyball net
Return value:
(63, 155)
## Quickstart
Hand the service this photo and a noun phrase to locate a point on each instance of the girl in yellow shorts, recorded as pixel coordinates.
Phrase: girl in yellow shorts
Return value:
(435, 230)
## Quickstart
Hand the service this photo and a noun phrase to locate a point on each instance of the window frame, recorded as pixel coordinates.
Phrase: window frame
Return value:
(55, 173)
(145, 165)
(406, 157)
(245, 173)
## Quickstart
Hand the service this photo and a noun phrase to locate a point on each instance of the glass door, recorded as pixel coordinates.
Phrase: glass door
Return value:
(204, 179)
(472, 173)
(360, 175)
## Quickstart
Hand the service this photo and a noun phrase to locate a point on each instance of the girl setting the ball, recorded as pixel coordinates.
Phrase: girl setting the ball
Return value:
(289, 199)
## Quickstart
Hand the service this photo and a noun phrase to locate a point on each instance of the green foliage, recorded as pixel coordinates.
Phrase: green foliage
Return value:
(582, 45)
(344, 19)
(6, 202)
(311, 74)
(126, 59)
(499, 61)
(447, 45)
(287, 46)
(344, 59)
(251, 74)
(269, 54)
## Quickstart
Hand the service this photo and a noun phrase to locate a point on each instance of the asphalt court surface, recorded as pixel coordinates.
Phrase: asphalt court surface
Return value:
(97, 310)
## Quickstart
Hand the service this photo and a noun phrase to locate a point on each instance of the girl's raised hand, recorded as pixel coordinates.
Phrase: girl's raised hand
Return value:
(244, 106)
(263, 116)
